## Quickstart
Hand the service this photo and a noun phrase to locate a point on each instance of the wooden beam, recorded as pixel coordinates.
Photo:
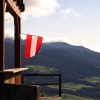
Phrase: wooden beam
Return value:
(17, 42)
(2, 9)
(13, 71)
(17, 46)
(5, 7)
(13, 8)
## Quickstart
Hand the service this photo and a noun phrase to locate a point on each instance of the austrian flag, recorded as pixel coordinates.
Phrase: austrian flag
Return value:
(33, 44)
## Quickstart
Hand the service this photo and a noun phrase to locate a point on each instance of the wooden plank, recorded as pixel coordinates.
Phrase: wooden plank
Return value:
(12, 71)
(9, 78)
(18, 77)
(17, 42)
(13, 8)
(50, 98)
(5, 7)
(12, 76)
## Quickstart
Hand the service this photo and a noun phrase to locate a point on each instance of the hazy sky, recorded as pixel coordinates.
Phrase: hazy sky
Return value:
(74, 21)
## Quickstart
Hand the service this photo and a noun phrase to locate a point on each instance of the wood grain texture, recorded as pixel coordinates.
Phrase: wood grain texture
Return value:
(14, 70)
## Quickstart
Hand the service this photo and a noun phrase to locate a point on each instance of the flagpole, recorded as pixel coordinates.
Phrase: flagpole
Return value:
(30, 34)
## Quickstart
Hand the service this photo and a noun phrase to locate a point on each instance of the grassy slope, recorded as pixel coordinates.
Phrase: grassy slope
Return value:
(69, 86)
(73, 97)
(42, 69)
(74, 87)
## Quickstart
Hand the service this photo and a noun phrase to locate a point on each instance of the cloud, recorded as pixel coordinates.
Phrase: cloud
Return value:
(8, 17)
(58, 39)
(40, 8)
(9, 33)
(36, 9)
(70, 12)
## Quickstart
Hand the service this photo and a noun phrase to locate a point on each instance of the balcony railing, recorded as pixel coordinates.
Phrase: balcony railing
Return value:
(49, 83)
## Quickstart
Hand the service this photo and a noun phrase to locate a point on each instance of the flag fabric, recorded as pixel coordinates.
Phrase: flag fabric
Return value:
(33, 44)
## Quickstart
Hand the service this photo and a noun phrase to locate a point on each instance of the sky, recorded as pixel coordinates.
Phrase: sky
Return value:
(74, 21)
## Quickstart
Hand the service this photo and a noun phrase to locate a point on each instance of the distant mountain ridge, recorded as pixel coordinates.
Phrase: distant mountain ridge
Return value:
(78, 50)
(57, 44)
(63, 45)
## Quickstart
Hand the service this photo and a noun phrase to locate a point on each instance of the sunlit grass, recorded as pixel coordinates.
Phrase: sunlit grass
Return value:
(73, 97)
(73, 86)
(42, 69)
(93, 79)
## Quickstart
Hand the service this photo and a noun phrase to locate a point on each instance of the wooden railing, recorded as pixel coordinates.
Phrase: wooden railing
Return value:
(49, 83)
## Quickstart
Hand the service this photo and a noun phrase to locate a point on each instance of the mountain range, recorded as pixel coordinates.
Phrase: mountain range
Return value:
(74, 62)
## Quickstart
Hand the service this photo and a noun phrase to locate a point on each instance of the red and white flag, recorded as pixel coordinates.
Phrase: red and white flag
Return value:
(33, 44)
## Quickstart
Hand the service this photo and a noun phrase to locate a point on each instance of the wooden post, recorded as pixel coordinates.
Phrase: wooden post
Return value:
(2, 9)
(17, 42)
(17, 46)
